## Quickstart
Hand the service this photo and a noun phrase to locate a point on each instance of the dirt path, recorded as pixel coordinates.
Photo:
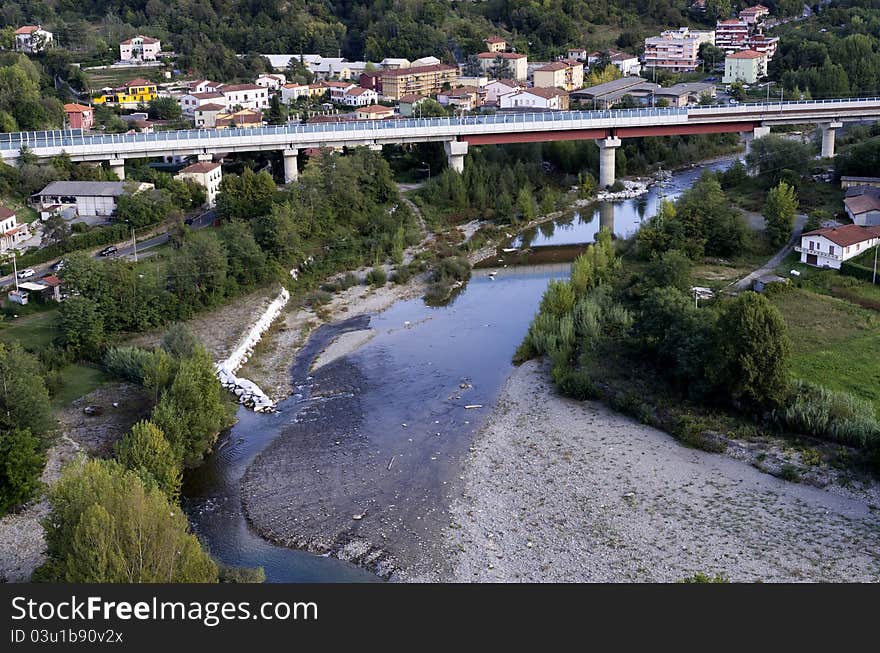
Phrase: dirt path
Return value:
(559, 490)
(746, 282)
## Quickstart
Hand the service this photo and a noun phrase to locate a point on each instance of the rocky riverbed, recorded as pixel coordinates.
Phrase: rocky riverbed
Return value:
(560, 490)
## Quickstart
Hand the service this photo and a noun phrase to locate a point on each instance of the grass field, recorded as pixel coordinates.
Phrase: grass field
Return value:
(114, 77)
(35, 328)
(77, 380)
(835, 342)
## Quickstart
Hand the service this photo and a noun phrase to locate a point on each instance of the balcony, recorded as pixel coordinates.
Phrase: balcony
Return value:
(806, 250)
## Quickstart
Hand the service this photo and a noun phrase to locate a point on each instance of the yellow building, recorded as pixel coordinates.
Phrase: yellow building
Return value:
(566, 74)
(130, 95)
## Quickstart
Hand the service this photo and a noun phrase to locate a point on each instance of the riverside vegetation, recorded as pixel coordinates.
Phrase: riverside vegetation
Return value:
(625, 329)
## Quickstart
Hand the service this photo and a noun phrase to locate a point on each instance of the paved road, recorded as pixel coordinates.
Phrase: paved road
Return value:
(746, 282)
(199, 222)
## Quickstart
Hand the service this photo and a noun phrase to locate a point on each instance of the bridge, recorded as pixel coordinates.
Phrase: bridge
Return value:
(606, 127)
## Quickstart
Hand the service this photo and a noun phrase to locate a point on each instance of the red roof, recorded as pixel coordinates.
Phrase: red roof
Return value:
(144, 39)
(51, 280)
(138, 81)
(6, 213)
(27, 29)
(846, 235)
(201, 167)
(411, 98)
(746, 54)
(76, 108)
(375, 108)
(501, 55)
(211, 107)
(496, 39)
(546, 93)
(232, 88)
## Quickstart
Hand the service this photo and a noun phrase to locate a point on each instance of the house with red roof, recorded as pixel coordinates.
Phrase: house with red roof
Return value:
(11, 233)
(831, 246)
(31, 39)
(79, 116)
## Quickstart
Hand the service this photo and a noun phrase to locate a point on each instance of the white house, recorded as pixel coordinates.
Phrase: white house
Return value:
(11, 233)
(862, 205)
(831, 246)
(140, 48)
(578, 54)
(32, 39)
(271, 81)
(536, 98)
(190, 102)
(290, 93)
(498, 87)
(203, 86)
(359, 97)
(338, 90)
(245, 96)
(205, 116)
(206, 174)
(628, 64)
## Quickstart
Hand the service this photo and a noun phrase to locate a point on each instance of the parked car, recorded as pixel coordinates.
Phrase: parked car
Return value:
(58, 266)
(27, 273)
(108, 251)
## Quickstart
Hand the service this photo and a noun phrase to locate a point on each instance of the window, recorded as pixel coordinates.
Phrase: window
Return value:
(831, 249)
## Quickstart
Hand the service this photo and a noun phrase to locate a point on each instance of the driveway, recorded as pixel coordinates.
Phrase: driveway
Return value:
(746, 282)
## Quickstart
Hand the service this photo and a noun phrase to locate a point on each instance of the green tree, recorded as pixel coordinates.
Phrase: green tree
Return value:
(525, 203)
(82, 326)
(753, 352)
(24, 400)
(779, 211)
(106, 526)
(146, 451)
(164, 108)
(772, 155)
(191, 412)
(21, 462)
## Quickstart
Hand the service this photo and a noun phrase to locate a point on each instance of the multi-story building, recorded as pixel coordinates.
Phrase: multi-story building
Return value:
(504, 64)
(566, 74)
(731, 35)
(746, 66)
(359, 97)
(79, 116)
(499, 87)
(205, 115)
(676, 50)
(495, 44)
(130, 95)
(754, 15)
(245, 96)
(578, 54)
(337, 89)
(464, 98)
(206, 174)
(272, 81)
(192, 102)
(140, 48)
(11, 233)
(421, 80)
(290, 93)
(761, 43)
(31, 39)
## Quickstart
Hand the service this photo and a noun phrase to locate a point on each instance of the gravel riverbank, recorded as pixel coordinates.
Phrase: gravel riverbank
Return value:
(560, 490)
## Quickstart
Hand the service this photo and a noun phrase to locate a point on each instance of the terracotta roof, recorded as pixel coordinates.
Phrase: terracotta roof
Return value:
(76, 108)
(731, 21)
(402, 72)
(332, 83)
(550, 67)
(411, 98)
(207, 95)
(357, 91)
(211, 106)
(138, 81)
(461, 91)
(746, 54)
(846, 235)
(754, 10)
(145, 39)
(233, 88)
(51, 280)
(501, 55)
(293, 85)
(6, 213)
(546, 93)
(201, 167)
(375, 108)
(862, 200)
(495, 39)
(27, 29)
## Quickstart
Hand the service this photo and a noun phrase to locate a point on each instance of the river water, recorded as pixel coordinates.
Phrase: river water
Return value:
(414, 379)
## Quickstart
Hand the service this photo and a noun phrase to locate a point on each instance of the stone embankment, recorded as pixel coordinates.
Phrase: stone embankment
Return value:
(248, 392)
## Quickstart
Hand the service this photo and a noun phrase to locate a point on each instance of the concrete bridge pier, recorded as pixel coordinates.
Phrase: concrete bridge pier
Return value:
(291, 170)
(455, 153)
(118, 166)
(205, 157)
(749, 137)
(828, 133)
(607, 148)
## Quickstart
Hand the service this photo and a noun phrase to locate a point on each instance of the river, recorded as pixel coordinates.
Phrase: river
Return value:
(363, 460)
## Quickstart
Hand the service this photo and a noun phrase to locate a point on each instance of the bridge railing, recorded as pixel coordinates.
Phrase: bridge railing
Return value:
(375, 128)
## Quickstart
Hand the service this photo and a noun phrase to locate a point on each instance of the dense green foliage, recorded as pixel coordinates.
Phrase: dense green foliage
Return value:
(779, 212)
(776, 157)
(146, 451)
(837, 416)
(107, 526)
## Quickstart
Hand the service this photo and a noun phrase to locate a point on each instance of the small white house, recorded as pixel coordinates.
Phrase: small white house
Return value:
(140, 48)
(11, 233)
(31, 39)
(190, 102)
(498, 87)
(831, 246)
(245, 96)
(271, 81)
(290, 93)
(357, 96)
(536, 98)
(206, 174)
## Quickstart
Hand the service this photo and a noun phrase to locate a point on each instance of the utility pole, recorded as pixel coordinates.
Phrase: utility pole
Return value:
(134, 244)
(15, 272)
(874, 277)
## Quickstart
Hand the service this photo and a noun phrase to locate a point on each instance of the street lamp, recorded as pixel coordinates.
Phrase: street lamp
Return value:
(428, 168)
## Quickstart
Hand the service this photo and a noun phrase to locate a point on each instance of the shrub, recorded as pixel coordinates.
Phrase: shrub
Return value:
(694, 432)
(377, 277)
(128, 363)
(577, 384)
(830, 415)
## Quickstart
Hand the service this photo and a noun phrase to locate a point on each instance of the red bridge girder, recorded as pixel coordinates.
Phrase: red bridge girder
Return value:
(680, 130)
(536, 137)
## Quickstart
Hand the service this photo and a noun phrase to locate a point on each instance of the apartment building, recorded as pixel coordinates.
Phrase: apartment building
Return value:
(676, 50)
(206, 174)
(566, 74)
(504, 64)
(245, 96)
(421, 80)
(746, 66)
(731, 35)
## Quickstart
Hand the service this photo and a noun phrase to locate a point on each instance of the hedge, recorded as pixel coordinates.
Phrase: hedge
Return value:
(858, 271)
